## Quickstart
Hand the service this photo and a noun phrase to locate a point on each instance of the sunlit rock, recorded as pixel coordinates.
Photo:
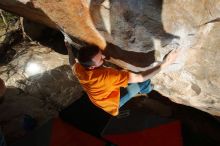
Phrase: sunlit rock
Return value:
(43, 73)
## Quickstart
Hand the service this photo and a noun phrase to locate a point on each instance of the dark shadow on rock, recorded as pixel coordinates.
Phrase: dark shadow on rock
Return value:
(50, 35)
(198, 127)
(137, 59)
(149, 18)
(39, 32)
(212, 21)
(41, 96)
(46, 36)
(6, 51)
(155, 25)
(53, 39)
(11, 111)
(86, 116)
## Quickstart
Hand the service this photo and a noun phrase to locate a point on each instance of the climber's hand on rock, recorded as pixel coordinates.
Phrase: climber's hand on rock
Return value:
(170, 58)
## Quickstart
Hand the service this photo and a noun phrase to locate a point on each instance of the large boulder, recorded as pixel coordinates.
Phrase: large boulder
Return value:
(140, 32)
(73, 16)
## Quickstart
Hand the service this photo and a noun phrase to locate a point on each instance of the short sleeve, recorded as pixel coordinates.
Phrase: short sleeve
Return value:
(118, 78)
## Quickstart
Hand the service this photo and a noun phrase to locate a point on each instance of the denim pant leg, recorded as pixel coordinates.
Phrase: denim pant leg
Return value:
(133, 89)
(145, 87)
(2, 140)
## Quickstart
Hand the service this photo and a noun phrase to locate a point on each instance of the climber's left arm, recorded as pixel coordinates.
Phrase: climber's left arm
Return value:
(72, 59)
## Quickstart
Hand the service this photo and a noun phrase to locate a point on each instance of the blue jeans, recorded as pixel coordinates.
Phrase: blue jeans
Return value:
(133, 89)
(2, 140)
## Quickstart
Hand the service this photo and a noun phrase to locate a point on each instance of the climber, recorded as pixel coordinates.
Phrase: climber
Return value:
(104, 84)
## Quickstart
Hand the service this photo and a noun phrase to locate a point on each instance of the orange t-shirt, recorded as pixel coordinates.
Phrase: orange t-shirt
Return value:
(102, 86)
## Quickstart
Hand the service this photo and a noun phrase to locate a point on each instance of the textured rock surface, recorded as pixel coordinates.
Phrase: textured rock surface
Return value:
(40, 71)
(197, 82)
(39, 83)
(71, 15)
(149, 29)
(159, 26)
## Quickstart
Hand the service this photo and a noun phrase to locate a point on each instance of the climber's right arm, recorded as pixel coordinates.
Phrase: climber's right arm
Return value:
(148, 74)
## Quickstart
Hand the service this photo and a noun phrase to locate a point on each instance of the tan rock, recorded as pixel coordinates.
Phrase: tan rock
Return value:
(71, 15)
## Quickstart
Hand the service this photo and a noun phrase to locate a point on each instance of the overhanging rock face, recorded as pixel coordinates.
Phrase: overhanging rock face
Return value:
(73, 16)
(144, 31)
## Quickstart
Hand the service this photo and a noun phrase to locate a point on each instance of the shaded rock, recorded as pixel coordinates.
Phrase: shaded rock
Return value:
(26, 8)
(38, 84)
(2, 88)
(44, 35)
(12, 35)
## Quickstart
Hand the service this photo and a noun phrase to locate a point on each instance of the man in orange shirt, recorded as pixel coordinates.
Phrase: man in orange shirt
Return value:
(103, 84)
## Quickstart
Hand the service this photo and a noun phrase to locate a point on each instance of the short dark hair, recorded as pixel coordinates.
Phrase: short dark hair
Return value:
(86, 54)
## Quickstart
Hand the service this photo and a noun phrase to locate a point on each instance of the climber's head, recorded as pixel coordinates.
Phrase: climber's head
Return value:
(90, 57)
